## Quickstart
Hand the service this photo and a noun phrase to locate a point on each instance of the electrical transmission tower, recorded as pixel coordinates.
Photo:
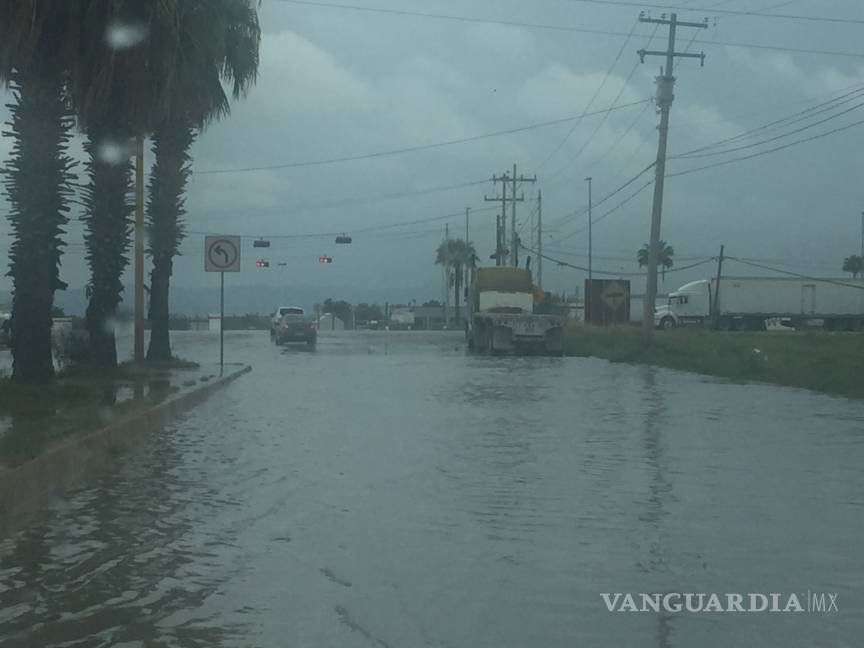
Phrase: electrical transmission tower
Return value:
(665, 96)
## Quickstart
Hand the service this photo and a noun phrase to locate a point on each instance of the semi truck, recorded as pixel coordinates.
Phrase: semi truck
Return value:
(745, 303)
(502, 315)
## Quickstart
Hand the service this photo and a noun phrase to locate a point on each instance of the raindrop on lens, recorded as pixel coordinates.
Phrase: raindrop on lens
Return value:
(125, 35)
(113, 152)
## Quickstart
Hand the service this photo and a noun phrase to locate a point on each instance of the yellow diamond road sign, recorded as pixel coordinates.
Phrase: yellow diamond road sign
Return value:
(613, 295)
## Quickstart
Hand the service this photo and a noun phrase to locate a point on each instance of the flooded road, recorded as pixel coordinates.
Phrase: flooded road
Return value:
(390, 491)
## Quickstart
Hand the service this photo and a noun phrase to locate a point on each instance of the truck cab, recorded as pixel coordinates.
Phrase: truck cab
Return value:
(690, 304)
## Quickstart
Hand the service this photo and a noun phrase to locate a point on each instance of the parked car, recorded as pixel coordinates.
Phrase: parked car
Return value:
(296, 328)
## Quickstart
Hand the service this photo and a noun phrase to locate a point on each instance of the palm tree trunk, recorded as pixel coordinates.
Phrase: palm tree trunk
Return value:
(37, 183)
(171, 143)
(107, 217)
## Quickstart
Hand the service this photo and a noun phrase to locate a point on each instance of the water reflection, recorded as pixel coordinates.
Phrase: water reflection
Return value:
(654, 508)
(488, 501)
(117, 563)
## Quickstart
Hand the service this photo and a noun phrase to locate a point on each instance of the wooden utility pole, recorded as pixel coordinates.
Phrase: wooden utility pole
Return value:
(447, 275)
(540, 239)
(501, 219)
(590, 232)
(139, 251)
(715, 313)
(665, 96)
(514, 238)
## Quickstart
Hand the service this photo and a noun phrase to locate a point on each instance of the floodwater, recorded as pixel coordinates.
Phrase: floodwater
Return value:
(390, 491)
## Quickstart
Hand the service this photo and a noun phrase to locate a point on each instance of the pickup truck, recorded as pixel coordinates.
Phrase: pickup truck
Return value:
(294, 327)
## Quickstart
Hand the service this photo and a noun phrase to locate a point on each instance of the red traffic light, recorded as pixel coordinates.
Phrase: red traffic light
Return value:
(325, 259)
(261, 263)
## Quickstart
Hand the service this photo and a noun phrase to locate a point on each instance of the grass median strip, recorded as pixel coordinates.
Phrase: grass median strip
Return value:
(827, 362)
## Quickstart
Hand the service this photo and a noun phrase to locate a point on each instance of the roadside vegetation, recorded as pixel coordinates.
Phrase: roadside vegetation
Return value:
(116, 72)
(827, 362)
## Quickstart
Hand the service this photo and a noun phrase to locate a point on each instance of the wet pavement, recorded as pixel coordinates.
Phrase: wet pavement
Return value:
(390, 491)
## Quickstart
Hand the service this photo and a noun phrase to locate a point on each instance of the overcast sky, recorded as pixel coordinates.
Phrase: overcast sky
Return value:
(336, 82)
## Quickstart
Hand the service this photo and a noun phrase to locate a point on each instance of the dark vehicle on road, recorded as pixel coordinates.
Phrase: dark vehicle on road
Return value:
(296, 328)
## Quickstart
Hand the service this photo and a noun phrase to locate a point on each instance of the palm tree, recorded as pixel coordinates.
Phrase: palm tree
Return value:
(854, 264)
(208, 42)
(456, 255)
(37, 42)
(664, 256)
(116, 90)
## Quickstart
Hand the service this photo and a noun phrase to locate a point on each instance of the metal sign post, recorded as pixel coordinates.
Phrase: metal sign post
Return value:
(222, 254)
(221, 321)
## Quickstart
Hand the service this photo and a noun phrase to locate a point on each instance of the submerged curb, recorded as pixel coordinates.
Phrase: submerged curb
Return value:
(31, 486)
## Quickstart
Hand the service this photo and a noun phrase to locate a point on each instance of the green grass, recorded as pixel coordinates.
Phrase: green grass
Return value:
(825, 362)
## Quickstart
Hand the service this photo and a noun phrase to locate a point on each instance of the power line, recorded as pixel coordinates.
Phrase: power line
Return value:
(609, 212)
(561, 28)
(785, 121)
(796, 274)
(768, 151)
(606, 116)
(728, 12)
(615, 273)
(362, 230)
(769, 140)
(594, 97)
(454, 17)
(604, 199)
(343, 202)
(414, 149)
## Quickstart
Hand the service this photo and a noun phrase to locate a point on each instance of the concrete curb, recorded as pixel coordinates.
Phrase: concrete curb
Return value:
(31, 486)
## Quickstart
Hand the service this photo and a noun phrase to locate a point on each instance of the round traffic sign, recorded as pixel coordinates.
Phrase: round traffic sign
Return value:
(222, 253)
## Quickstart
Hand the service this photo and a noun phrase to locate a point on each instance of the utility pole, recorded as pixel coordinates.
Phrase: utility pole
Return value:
(665, 97)
(501, 219)
(514, 241)
(447, 275)
(590, 233)
(862, 235)
(715, 314)
(139, 251)
(540, 239)
(467, 213)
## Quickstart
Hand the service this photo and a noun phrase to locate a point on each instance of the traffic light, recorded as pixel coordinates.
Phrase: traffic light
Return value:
(261, 243)
(325, 259)
(343, 240)
(261, 263)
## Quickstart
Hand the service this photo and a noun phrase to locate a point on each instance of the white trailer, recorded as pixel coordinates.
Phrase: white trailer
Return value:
(745, 303)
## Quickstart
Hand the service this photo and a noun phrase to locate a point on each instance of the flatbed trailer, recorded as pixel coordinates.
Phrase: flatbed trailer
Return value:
(520, 333)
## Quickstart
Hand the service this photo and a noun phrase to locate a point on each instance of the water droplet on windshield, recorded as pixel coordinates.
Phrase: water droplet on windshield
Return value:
(125, 35)
(114, 152)
(109, 325)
